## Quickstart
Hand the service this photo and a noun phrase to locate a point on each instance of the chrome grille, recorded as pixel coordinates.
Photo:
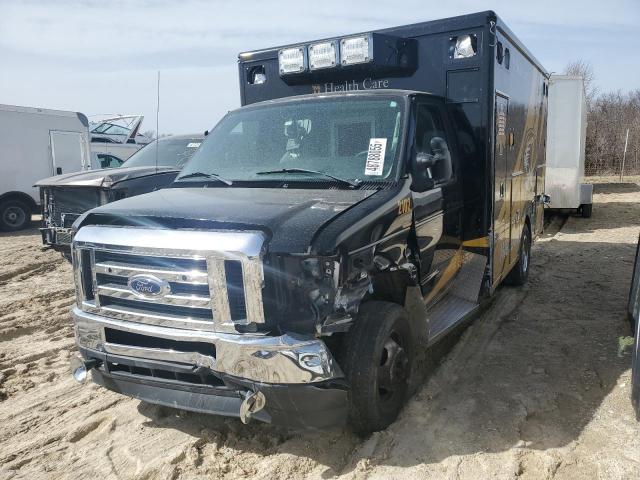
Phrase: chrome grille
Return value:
(214, 278)
(64, 205)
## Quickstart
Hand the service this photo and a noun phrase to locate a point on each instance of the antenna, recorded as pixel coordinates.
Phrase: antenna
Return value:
(157, 120)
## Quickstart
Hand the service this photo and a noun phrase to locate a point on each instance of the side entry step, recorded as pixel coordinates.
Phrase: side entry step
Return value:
(462, 298)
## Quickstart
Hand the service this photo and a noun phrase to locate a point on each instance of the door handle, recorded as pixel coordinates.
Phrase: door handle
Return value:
(59, 171)
(502, 190)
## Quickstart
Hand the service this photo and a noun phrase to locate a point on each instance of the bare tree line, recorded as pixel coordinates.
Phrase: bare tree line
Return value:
(609, 116)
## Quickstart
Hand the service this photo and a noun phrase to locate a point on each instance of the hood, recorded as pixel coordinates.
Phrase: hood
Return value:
(105, 178)
(290, 218)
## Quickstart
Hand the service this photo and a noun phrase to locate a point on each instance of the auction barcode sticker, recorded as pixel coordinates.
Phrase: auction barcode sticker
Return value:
(375, 156)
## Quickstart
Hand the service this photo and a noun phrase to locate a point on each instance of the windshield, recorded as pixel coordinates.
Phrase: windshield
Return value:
(111, 129)
(171, 153)
(351, 138)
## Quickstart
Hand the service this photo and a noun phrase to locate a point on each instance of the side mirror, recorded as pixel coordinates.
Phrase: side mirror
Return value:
(425, 160)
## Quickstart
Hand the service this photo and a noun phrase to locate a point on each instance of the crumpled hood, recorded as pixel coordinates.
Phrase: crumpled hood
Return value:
(101, 178)
(290, 217)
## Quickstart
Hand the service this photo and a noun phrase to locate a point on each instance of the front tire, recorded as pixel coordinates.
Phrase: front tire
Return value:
(14, 215)
(378, 357)
(520, 272)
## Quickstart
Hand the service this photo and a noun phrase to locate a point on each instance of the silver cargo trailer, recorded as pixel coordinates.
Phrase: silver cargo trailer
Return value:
(566, 136)
(36, 143)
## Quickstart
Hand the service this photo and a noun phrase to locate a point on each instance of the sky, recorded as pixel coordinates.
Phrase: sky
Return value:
(102, 57)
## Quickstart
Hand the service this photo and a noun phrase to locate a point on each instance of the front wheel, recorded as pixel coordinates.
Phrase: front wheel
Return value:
(520, 272)
(377, 362)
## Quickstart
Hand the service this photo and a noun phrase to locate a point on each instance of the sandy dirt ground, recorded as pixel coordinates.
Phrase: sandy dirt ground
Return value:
(537, 387)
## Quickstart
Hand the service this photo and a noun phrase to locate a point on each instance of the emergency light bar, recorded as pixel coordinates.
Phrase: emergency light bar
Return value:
(375, 52)
(292, 60)
(323, 55)
(356, 50)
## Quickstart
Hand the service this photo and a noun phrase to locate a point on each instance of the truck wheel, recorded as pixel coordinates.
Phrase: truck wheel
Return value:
(585, 210)
(377, 362)
(14, 215)
(520, 271)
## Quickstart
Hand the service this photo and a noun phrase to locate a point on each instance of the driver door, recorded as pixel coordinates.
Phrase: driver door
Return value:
(437, 206)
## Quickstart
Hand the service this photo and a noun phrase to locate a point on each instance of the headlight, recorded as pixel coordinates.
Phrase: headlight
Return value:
(292, 60)
(323, 55)
(354, 50)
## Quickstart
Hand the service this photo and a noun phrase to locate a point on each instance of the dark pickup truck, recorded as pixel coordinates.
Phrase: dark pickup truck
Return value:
(65, 197)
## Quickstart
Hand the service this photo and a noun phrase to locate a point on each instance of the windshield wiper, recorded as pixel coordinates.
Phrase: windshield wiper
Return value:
(214, 176)
(355, 184)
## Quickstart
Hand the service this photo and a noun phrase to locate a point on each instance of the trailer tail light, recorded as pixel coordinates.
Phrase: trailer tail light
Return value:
(323, 55)
(356, 50)
(463, 46)
(292, 60)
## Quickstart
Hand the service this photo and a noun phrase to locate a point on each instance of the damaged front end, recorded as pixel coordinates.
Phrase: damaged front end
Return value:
(185, 318)
(315, 295)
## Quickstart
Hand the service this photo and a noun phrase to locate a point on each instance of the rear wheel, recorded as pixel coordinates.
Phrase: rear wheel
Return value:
(520, 272)
(585, 210)
(14, 215)
(377, 361)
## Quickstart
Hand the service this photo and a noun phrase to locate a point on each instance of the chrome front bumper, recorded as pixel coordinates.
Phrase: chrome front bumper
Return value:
(286, 359)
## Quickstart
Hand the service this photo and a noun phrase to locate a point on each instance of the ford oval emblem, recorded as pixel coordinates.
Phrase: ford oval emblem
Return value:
(148, 286)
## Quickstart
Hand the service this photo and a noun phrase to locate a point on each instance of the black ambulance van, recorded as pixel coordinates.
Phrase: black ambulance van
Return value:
(371, 193)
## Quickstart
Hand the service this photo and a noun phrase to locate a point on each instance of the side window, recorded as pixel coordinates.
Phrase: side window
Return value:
(431, 139)
(109, 161)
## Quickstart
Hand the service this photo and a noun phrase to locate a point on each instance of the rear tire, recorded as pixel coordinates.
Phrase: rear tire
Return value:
(14, 215)
(632, 324)
(520, 271)
(378, 355)
(585, 210)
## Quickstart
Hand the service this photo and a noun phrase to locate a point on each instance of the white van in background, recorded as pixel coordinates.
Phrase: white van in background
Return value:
(36, 143)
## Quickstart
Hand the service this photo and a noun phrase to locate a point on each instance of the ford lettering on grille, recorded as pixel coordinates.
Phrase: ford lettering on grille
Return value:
(148, 286)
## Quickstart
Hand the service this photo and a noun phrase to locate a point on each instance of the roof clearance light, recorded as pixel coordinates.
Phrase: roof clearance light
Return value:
(356, 50)
(292, 60)
(466, 46)
(323, 55)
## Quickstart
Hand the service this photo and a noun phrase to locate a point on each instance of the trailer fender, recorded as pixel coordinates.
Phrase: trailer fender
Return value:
(22, 197)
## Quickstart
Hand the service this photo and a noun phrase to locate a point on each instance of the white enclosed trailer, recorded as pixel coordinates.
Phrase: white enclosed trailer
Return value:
(36, 143)
(566, 137)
